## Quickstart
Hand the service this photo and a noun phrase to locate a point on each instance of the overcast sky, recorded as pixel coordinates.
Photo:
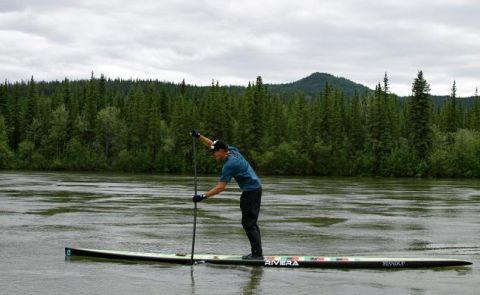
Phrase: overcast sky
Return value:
(236, 41)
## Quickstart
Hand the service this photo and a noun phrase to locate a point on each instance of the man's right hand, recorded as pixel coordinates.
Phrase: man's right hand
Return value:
(195, 133)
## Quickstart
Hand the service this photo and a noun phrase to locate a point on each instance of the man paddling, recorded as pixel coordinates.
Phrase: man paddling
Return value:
(235, 166)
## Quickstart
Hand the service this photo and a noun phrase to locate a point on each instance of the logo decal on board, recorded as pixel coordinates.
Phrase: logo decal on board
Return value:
(281, 263)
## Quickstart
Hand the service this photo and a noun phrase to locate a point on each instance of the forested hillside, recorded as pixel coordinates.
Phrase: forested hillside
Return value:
(143, 126)
(312, 84)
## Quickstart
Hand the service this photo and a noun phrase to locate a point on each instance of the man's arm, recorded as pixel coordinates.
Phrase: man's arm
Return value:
(205, 140)
(220, 187)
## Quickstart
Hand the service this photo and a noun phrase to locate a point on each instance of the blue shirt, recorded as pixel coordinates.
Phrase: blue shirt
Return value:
(237, 167)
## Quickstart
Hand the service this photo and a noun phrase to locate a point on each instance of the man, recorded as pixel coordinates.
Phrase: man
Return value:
(235, 165)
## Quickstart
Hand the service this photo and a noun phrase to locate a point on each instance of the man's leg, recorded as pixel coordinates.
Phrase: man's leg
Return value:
(250, 205)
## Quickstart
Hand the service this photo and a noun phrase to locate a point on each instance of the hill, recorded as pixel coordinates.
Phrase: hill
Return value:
(316, 83)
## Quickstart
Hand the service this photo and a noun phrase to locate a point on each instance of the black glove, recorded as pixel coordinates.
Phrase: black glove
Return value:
(198, 198)
(195, 133)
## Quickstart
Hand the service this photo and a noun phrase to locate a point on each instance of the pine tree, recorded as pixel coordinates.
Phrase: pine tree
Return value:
(214, 106)
(276, 123)
(339, 118)
(297, 121)
(244, 129)
(14, 120)
(475, 112)
(259, 100)
(102, 96)
(6, 154)
(110, 131)
(316, 118)
(58, 131)
(91, 104)
(31, 101)
(156, 133)
(326, 114)
(135, 114)
(3, 98)
(380, 128)
(357, 130)
(450, 123)
(419, 117)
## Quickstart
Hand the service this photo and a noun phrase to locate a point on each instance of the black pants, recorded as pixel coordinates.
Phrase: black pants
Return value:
(250, 205)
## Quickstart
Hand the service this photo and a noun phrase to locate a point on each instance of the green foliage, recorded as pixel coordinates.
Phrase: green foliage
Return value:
(81, 157)
(111, 132)
(143, 126)
(6, 154)
(401, 161)
(456, 155)
(283, 159)
(29, 158)
(321, 159)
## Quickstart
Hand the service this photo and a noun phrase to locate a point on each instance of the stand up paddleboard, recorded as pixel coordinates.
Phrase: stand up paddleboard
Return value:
(271, 261)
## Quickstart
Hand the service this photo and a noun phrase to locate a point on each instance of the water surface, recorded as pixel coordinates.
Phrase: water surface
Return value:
(41, 213)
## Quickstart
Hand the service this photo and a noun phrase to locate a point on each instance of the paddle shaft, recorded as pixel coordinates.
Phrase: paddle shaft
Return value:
(195, 204)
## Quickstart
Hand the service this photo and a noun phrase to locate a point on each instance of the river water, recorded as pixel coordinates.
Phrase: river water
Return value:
(41, 213)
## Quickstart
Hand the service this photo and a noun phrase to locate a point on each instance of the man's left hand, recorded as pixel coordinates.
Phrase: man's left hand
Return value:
(198, 198)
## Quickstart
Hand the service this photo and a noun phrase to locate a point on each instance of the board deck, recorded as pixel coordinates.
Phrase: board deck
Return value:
(271, 261)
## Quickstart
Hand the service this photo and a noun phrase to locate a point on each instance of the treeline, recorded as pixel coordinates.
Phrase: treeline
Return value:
(143, 126)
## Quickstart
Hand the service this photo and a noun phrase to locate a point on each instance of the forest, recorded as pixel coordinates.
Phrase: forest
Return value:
(103, 124)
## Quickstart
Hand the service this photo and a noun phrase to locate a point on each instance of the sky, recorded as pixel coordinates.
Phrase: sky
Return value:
(233, 42)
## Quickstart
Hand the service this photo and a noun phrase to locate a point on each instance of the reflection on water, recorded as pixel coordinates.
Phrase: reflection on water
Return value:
(253, 285)
(41, 213)
(250, 279)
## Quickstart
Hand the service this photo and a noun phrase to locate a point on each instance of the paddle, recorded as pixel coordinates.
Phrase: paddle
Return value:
(195, 203)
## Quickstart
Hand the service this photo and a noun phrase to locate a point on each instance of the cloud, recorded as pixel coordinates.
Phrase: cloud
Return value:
(235, 41)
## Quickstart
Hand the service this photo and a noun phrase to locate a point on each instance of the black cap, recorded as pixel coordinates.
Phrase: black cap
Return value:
(218, 144)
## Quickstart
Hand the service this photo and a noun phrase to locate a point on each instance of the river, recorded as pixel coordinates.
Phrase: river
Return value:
(42, 213)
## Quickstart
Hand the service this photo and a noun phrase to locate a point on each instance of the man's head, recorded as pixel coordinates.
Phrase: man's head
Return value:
(219, 150)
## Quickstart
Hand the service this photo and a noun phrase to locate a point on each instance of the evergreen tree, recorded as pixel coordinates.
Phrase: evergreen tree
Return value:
(403, 129)
(357, 132)
(181, 122)
(31, 101)
(3, 98)
(276, 124)
(102, 96)
(110, 131)
(57, 138)
(244, 128)
(297, 122)
(326, 114)
(38, 130)
(258, 110)
(6, 154)
(450, 123)
(90, 108)
(215, 107)
(14, 119)
(475, 117)
(157, 134)
(419, 117)
(380, 136)
(339, 118)
(137, 114)
(316, 117)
